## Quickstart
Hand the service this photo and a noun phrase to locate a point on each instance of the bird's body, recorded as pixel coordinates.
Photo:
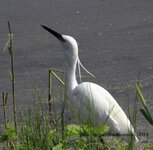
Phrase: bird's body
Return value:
(108, 109)
(99, 99)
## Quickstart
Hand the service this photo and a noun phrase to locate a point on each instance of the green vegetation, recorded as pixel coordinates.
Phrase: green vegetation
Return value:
(145, 111)
(38, 129)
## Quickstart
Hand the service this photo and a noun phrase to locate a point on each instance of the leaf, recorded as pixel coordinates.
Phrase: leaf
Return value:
(140, 95)
(58, 147)
(57, 77)
(76, 130)
(7, 43)
(96, 131)
(10, 131)
(147, 116)
(103, 129)
(73, 130)
(51, 133)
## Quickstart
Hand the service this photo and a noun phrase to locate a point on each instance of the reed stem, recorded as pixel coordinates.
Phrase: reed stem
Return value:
(11, 52)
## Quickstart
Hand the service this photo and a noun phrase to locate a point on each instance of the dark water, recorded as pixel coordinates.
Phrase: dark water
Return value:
(115, 40)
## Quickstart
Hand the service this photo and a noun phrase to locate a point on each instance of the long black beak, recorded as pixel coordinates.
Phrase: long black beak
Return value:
(57, 35)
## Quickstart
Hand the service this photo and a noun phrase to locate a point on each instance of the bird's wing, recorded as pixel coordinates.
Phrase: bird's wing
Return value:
(104, 104)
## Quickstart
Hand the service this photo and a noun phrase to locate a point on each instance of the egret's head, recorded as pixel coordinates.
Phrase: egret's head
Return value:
(69, 45)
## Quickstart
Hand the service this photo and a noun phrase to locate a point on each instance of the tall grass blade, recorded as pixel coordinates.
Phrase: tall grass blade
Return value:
(147, 116)
(5, 97)
(4, 103)
(144, 111)
(140, 95)
(52, 71)
(49, 90)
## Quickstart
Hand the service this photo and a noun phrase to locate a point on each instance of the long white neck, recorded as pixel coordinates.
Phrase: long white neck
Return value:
(70, 80)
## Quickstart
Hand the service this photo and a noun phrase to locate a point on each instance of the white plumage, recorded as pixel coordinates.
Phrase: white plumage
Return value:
(99, 99)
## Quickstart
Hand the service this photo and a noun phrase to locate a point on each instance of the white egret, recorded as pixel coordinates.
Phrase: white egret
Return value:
(99, 98)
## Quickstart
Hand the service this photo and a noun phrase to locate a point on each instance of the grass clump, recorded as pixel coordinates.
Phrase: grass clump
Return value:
(36, 132)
